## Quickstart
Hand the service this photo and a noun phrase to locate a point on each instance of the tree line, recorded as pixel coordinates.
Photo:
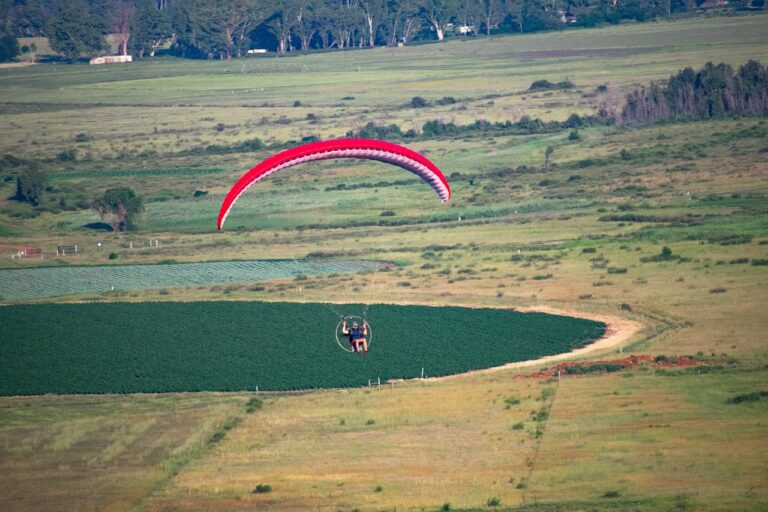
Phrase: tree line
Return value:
(716, 90)
(229, 28)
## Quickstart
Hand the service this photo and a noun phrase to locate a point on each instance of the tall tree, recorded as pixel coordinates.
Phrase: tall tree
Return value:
(469, 15)
(307, 24)
(411, 20)
(74, 30)
(121, 207)
(122, 15)
(281, 23)
(493, 11)
(151, 28)
(9, 48)
(347, 21)
(235, 19)
(373, 11)
(30, 185)
(439, 14)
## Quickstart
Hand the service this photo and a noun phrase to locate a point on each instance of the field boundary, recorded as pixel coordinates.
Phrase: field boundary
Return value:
(618, 330)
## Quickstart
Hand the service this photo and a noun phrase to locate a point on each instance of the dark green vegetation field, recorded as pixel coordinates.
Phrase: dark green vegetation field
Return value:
(234, 346)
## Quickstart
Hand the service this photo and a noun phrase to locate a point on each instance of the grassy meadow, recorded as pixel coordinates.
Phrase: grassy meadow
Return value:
(586, 233)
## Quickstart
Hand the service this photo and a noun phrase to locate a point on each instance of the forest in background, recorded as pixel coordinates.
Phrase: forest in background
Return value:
(229, 28)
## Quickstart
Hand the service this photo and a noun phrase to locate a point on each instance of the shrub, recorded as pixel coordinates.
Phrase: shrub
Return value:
(82, 137)
(493, 502)
(446, 100)
(112, 256)
(593, 368)
(717, 290)
(253, 405)
(540, 277)
(297, 103)
(588, 250)
(68, 155)
(518, 426)
(545, 85)
(748, 397)
(419, 102)
(378, 488)
(262, 489)
(611, 494)
(729, 239)
(617, 270)
(664, 255)
(521, 485)
(445, 507)
(574, 135)
(404, 284)
(387, 213)
(760, 261)
(217, 436)
(625, 307)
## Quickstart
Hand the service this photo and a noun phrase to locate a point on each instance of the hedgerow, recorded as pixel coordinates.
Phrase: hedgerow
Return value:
(233, 346)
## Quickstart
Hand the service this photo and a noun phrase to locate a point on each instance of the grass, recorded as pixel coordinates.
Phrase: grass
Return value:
(663, 440)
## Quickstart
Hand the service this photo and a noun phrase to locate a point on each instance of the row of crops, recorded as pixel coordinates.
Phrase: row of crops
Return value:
(37, 283)
(228, 346)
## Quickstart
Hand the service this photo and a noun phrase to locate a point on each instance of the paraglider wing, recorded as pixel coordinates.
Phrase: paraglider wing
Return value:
(341, 148)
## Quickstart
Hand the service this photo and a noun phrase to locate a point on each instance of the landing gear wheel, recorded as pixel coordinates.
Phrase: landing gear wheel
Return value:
(350, 320)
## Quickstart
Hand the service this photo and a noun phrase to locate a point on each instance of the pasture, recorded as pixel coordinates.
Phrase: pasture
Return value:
(585, 232)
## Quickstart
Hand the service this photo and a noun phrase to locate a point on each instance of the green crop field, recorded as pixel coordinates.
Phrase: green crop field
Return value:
(235, 346)
(660, 231)
(39, 283)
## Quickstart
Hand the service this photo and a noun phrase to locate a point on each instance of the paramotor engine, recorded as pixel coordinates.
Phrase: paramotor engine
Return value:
(368, 149)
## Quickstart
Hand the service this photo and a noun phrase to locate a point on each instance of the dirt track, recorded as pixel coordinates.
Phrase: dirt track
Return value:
(618, 330)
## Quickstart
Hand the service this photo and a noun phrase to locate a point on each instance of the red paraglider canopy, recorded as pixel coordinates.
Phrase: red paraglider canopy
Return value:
(341, 148)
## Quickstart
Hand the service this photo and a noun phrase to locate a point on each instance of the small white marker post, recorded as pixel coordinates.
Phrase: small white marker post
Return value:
(422, 373)
(378, 382)
(257, 390)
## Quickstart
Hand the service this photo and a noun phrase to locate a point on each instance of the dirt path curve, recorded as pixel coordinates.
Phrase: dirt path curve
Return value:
(618, 330)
